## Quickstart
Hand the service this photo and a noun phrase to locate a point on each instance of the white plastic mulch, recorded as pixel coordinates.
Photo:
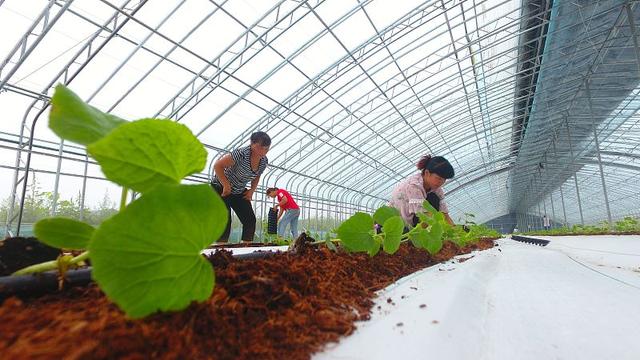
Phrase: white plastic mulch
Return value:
(247, 250)
(576, 298)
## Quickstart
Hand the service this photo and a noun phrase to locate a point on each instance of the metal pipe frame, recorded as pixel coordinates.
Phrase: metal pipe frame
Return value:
(443, 78)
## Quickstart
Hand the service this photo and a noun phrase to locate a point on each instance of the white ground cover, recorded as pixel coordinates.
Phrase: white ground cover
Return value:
(247, 250)
(577, 298)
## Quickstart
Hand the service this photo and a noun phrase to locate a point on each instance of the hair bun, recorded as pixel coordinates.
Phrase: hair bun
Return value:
(422, 163)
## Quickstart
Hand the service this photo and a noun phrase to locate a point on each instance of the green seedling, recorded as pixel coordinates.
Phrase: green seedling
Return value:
(146, 258)
(358, 233)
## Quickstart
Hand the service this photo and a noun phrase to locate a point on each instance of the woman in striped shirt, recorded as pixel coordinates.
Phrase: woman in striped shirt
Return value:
(232, 173)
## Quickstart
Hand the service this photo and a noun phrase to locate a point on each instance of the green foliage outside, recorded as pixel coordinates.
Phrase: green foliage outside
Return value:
(628, 224)
(38, 205)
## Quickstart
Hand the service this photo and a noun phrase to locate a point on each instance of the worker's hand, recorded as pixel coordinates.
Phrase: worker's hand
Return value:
(226, 190)
(275, 207)
(248, 195)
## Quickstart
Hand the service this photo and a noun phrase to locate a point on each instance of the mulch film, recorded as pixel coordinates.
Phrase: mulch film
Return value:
(286, 306)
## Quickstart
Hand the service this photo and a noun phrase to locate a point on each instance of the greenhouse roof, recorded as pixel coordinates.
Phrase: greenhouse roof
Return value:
(534, 102)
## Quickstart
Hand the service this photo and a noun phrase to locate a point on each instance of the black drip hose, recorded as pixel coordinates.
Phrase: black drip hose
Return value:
(31, 285)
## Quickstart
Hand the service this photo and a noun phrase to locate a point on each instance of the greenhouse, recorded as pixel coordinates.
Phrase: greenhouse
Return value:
(236, 179)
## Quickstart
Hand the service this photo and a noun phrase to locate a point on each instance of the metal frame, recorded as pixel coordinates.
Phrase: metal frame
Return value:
(530, 102)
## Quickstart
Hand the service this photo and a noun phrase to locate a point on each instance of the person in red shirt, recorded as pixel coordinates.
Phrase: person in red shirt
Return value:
(289, 211)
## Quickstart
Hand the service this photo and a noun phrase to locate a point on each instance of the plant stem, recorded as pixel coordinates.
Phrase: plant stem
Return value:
(50, 265)
(123, 198)
(323, 241)
(82, 257)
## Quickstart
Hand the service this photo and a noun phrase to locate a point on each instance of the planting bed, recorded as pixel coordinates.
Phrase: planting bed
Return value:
(285, 306)
(575, 298)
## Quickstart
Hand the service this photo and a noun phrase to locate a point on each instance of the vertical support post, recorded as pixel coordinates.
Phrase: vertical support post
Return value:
(539, 223)
(56, 184)
(575, 174)
(564, 210)
(263, 206)
(553, 209)
(322, 216)
(595, 136)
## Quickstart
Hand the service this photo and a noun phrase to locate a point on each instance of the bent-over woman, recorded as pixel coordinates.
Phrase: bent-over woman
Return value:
(232, 173)
(409, 194)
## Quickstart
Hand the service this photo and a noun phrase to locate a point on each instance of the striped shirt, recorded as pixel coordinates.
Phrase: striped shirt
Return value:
(241, 173)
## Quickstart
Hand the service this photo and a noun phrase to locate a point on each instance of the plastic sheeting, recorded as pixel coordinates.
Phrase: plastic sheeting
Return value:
(577, 298)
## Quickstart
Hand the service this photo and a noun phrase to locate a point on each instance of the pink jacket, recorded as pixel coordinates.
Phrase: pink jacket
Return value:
(409, 195)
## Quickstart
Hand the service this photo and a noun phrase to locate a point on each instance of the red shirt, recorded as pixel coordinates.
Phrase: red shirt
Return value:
(290, 204)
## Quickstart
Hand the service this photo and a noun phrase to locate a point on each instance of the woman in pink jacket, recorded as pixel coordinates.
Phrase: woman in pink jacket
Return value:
(409, 194)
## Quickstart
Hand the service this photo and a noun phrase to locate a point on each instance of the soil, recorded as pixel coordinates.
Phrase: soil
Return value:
(19, 252)
(286, 306)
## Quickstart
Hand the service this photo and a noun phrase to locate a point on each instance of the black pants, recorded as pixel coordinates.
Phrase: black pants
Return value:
(242, 207)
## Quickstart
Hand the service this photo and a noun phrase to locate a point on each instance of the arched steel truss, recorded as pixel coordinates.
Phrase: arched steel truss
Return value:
(534, 102)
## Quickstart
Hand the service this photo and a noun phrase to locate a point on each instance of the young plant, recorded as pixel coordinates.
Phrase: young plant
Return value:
(358, 233)
(628, 224)
(146, 258)
(468, 219)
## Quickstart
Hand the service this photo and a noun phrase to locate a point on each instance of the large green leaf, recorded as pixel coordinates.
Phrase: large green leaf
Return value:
(74, 120)
(375, 248)
(355, 232)
(416, 238)
(392, 228)
(428, 239)
(382, 214)
(429, 208)
(147, 257)
(434, 240)
(420, 237)
(144, 153)
(423, 217)
(63, 233)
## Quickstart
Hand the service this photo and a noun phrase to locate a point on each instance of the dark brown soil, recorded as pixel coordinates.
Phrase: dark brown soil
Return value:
(19, 252)
(287, 306)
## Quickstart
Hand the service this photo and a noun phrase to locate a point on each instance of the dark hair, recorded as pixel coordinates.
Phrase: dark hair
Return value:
(261, 137)
(272, 189)
(437, 165)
